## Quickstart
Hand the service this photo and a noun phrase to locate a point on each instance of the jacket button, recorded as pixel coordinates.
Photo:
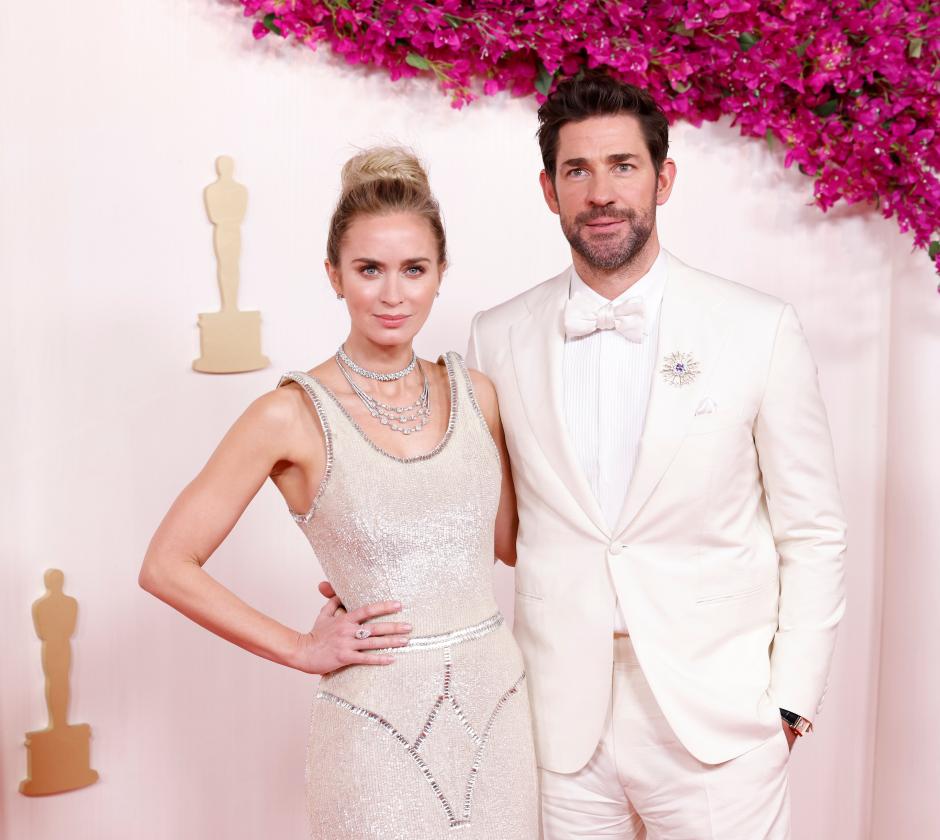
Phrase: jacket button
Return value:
(616, 548)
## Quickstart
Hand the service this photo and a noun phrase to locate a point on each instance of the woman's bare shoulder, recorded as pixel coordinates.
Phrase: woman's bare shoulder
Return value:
(483, 386)
(286, 404)
(277, 410)
(485, 393)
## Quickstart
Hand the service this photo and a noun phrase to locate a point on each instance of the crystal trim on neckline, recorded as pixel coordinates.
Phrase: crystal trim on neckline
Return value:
(451, 423)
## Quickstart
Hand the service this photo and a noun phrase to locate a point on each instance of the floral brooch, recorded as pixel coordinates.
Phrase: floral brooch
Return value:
(679, 369)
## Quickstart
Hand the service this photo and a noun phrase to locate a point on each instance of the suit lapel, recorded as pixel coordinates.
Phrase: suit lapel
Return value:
(687, 325)
(537, 344)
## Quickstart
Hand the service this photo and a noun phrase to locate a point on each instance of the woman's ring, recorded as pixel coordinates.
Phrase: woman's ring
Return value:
(363, 633)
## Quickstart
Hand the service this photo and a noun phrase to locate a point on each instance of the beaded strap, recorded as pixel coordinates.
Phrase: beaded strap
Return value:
(306, 382)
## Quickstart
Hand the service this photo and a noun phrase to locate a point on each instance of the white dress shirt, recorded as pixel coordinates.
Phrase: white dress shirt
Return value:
(606, 387)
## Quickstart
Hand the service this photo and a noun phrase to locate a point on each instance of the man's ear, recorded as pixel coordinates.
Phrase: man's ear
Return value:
(548, 191)
(665, 181)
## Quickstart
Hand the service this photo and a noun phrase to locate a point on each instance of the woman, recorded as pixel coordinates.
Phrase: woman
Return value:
(396, 470)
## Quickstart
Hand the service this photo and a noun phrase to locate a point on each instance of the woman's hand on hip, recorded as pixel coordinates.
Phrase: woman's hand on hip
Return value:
(339, 638)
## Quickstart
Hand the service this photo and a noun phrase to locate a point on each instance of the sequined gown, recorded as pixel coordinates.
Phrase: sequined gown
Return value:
(440, 741)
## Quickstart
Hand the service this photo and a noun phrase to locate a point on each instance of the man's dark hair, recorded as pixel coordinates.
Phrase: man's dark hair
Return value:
(597, 94)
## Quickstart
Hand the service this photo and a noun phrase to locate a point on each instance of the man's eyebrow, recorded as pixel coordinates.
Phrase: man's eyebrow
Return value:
(618, 157)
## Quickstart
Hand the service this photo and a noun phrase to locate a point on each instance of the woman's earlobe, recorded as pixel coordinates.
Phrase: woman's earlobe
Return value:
(334, 282)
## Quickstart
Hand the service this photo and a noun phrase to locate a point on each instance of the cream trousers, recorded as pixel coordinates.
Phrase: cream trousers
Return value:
(642, 784)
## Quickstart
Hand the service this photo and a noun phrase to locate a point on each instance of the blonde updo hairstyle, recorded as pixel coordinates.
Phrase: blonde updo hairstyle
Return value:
(380, 181)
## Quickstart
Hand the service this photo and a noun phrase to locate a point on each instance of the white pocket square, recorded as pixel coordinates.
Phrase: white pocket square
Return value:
(706, 406)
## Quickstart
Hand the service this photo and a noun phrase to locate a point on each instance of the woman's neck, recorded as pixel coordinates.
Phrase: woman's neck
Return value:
(378, 358)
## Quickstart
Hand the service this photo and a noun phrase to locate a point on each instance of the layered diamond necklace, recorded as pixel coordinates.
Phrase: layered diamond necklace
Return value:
(406, 419)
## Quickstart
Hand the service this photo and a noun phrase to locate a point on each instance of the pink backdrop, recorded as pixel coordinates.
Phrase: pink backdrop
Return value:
(111, 122)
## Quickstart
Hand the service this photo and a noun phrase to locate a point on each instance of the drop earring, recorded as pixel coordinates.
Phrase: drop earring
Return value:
(339, 296)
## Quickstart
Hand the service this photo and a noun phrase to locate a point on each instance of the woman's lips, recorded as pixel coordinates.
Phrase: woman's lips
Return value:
(392, 320)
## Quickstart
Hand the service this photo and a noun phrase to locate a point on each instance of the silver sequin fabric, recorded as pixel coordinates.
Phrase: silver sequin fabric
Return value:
(438, 744)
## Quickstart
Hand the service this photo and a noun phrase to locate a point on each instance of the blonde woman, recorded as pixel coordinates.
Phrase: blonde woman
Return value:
(396, 470)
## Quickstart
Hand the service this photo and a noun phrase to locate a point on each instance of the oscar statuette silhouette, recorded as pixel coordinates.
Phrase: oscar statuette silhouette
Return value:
(229, 340)
(57, 757)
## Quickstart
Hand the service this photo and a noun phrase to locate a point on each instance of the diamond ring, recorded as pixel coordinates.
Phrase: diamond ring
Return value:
(363, 633)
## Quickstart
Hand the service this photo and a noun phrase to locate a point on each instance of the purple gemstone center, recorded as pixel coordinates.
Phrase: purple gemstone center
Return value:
(680, 368)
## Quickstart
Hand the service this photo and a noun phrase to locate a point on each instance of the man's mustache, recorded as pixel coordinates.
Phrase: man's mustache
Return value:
(605, 213)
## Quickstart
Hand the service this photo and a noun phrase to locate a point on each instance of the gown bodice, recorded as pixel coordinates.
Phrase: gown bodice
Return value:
(418, 530)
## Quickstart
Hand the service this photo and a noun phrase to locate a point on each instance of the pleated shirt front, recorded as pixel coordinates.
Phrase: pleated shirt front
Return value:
(606, 387)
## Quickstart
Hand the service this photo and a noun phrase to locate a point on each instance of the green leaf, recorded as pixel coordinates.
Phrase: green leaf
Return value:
(680, 29)
(769, 137)
(453, 21)
(748, 40)
(934, 249)
(801, 49)
(543, 82)
(680, 87)
(914, 47)
(418, 61)
(271, 24)
(830, 106)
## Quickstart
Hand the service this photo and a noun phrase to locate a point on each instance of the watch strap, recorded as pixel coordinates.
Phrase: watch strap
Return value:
(800, 725)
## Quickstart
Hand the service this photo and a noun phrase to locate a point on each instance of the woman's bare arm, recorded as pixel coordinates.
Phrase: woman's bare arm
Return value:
(507, 517)
(267, 434)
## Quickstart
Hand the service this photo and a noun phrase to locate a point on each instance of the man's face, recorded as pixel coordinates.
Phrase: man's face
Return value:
(606, 189)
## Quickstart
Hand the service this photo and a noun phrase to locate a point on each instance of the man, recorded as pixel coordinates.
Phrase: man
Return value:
(680, 555)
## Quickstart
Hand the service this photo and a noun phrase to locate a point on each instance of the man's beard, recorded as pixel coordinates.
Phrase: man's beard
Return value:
(609, 252)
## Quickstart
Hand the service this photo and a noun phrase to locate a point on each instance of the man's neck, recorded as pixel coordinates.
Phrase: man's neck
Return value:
(612, 284)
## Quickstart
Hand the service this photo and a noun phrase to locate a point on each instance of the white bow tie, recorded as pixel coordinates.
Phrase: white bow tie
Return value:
(582, 317)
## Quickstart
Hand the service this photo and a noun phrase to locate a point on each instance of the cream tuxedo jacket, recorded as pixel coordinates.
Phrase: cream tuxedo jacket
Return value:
(728, 556)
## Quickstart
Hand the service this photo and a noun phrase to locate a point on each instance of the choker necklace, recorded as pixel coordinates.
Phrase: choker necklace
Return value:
(394, 416)
(370, 374)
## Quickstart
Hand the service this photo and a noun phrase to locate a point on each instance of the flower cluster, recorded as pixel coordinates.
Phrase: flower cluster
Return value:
(850, 88)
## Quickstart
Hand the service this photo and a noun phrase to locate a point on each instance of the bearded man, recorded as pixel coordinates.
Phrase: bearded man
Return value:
(679, 571)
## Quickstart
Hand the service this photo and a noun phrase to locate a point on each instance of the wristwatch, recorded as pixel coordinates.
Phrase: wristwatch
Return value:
(800, 725)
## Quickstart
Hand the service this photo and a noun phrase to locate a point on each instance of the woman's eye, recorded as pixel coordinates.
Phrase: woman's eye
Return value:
(370, 270)
(414, 271)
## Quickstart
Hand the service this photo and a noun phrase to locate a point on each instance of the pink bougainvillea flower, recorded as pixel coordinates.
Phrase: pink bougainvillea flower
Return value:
(850, 88)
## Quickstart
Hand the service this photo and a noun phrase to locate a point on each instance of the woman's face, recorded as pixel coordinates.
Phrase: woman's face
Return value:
(389, 274)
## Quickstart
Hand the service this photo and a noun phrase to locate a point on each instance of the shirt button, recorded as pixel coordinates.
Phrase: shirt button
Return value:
(616, 548)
